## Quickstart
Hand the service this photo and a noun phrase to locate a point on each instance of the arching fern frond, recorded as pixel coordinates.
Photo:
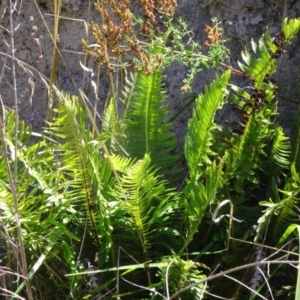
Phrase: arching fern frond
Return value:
(205, 170)
(198, 141)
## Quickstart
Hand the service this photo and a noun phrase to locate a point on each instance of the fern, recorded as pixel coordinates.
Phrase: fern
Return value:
(290, 28)
(44, 208)
(148, 202)
(281, 149)
(200, 127)
(205, 175)
(80, 161)
(179, 274)
(255, 109)
(278, 214)
(146, 128)
(266, 147)
(114, 129)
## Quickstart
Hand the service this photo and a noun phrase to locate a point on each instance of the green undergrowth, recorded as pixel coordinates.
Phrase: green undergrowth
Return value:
(105, 214)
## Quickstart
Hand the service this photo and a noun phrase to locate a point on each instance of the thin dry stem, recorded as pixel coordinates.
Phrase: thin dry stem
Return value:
(13, 175)
(221, 274)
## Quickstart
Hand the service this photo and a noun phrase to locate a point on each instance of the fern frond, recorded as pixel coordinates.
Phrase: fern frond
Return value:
(81, 162)
(146, 200)
(281, 148)
(200, 136)
(265, 64)
(198, 194)
(146, 127)
(267, 51)
(258, 68)
(205, 173)
(115, 130)
(287, 210)
(290, 28)
(120, 163)
(180, 273)
(279, 212)
(247, 152)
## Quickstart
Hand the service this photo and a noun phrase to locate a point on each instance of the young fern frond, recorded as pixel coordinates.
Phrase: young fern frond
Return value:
(147, 130)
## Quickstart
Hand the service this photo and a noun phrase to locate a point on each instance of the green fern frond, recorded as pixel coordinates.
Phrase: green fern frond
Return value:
(287, 209)
(9, 125)
(115, 130)
(146, 200)
(279, 211)
(248, 148)
(290, 28)
(205, 173)
(198, 194)
(147, 130)
(265, 64)
(6, 201)
(89, 174)
(267, 51)
(120, 163)
(281, 148)
(200, 136)
(181, 273)
(258, 68)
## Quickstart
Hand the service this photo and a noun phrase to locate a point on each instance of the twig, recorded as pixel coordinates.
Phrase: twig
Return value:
(221, 274)
(247, 287)
(13, 176)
